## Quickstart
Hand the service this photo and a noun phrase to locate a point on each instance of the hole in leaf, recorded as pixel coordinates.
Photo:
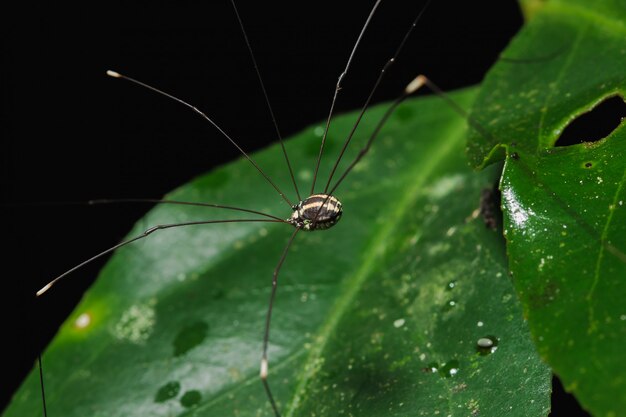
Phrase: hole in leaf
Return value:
(563, 403)
(596, 124)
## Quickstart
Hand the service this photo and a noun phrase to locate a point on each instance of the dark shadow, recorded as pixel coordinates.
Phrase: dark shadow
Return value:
(490, 203)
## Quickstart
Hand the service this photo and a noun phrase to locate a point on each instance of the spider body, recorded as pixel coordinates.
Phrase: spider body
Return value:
(309, 214)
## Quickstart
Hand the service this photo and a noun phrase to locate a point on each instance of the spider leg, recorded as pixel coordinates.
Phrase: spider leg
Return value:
(266, 336)
(145, 234)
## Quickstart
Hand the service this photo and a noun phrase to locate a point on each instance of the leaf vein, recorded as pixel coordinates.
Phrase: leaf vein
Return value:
(356, 281)
(603, 244)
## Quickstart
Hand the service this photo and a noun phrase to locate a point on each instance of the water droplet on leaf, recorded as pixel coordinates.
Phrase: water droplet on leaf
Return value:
(486, 345)
(449, 368)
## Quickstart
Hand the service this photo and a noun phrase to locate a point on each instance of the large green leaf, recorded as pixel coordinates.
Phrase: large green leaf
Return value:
(380, 315)
(565, 217)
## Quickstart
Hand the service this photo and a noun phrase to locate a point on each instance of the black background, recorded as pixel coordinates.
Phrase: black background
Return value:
(69, 133)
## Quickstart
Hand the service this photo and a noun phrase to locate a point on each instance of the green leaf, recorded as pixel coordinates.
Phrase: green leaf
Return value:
(530, 7)
(565, 217)
(380, 315)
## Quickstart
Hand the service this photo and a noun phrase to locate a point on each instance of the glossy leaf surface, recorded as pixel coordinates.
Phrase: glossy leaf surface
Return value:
(565, 211)
(380, 315)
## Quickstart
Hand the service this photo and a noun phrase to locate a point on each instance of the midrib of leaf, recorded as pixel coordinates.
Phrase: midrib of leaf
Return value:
(370, 256)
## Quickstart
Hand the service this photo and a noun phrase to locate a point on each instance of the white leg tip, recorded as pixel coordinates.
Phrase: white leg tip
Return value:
(415, 85)
(113, 74)
(44, 289)
(264, 368)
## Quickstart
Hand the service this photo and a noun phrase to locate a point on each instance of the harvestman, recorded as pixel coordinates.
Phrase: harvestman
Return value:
(319, 211)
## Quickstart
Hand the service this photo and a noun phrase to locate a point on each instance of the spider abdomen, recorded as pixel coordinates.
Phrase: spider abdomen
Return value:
(316, 212)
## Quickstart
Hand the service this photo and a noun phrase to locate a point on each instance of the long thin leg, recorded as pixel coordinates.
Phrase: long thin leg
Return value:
(43, 391)
(413, 86)
(100, 201)
(267, 99)
(386, 67)
(410, 89)
(115, 74)
(145, 234)
(268, 319)
(337, 88)
(183, 203)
